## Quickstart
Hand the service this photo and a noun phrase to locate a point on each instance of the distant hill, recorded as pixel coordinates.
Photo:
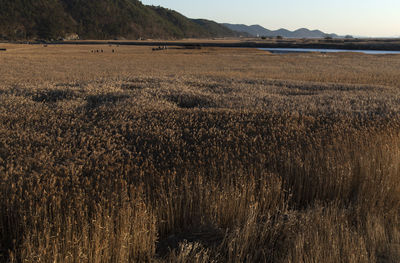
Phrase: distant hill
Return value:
(99, 19)
(257, 30)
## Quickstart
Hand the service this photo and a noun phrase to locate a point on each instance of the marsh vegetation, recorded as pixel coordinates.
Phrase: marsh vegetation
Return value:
(208, 155)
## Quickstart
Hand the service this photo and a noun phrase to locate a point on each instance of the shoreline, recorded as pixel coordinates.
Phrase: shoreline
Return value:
(384, 45)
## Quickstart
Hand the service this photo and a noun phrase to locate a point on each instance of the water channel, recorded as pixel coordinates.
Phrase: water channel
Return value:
(324, 50)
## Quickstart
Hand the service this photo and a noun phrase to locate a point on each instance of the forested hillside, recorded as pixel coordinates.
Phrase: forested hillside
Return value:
(98, 19)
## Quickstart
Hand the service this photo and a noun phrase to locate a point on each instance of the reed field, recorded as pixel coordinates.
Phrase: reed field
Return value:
(210, 155)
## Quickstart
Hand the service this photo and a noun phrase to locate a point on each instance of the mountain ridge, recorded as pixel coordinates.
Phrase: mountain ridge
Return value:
(100, 19)
(257, 30)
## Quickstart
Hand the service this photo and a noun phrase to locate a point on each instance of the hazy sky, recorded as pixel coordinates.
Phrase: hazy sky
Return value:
(355, 17)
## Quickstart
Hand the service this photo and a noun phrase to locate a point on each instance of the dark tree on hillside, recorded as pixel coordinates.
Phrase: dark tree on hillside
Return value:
(49, 27)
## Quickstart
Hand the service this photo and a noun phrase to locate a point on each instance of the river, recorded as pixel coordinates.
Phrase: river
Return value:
(321, 50)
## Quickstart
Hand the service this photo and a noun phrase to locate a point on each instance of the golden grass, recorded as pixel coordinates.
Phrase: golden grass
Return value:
(212, 155)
